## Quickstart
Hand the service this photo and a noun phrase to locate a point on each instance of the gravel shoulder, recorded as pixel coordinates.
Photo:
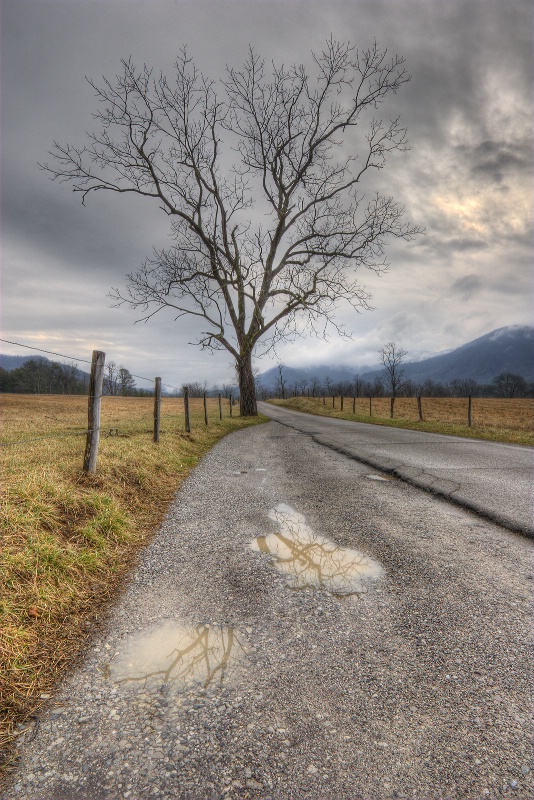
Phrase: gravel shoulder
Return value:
(219, 674)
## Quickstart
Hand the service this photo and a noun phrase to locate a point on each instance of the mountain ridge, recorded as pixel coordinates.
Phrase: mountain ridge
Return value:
(508, 349)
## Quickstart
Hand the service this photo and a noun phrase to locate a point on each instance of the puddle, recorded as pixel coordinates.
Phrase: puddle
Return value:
(169, 653)
(381, 477)
(312, 561)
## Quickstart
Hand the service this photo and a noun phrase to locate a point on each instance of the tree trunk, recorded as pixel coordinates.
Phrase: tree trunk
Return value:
(247, 388)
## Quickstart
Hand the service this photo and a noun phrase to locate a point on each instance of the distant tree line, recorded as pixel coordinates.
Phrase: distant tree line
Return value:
(41, 376)
(506, 384)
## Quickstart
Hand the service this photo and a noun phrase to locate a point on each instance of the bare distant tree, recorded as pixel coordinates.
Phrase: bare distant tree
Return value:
(196, 389)
(463, 387)
(510, 385)
(377, 388)
(279, 233)
(392, 357)
(328, 384)
(315, 387)
(111, 378)
(125, 382)
(227, 390)
(280, 382)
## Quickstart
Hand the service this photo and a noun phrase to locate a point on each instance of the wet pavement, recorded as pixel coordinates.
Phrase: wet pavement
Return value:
(299, 628)
(491, 478)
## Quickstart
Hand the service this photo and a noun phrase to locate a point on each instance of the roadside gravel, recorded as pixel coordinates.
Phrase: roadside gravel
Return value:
(417, 685)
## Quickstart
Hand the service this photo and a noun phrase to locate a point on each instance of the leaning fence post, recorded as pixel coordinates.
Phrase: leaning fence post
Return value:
(157, 408)
(186, 410)
(93, 417)
(469, 420)
(220, 407)
(205, 409)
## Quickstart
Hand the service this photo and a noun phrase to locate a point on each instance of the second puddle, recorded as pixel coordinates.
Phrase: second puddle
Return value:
(167, 652)
(312, 561)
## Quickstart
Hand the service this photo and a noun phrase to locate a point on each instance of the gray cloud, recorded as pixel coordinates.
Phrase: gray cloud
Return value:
(496, 160)
(467, 286)
(466, 179)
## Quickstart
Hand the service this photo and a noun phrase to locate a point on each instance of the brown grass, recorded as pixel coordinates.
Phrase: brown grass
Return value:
(503, 420)
(68, 538)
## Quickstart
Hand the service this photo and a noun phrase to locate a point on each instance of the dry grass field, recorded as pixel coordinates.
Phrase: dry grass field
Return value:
(503, 420)
(67, 538)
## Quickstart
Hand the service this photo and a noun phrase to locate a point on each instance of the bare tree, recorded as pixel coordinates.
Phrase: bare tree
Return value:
(278, 234)
(280, 382)
(328, 385)
(315, 387)
(125, 381)
(463, 387)
(510, 385)
(111, 378)
(392, 357)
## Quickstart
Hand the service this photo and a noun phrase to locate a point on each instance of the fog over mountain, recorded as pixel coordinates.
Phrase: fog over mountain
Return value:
(508, 349)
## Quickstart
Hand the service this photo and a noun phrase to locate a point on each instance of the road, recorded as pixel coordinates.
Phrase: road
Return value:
(301, 626)
(491, 478)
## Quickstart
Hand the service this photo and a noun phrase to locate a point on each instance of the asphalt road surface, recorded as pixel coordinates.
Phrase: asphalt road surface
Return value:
(492, 478)
(302, 626)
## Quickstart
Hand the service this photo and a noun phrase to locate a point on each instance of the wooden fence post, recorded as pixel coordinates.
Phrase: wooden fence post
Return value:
(231, 413)
(93, 417)
(391, 406)
(157, 408)
(333, 401)
(353, 405)
(420, 409)
(220, 407)
(324, 401)
(370, 406)
(186, 410)
(469, 406)
(205, 409)
(341, 402)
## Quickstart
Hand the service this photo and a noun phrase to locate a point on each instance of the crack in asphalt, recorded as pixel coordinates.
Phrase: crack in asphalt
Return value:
(431, 486)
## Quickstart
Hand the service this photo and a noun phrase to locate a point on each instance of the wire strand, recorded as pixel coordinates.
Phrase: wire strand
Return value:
(83, 360)
(52, 436)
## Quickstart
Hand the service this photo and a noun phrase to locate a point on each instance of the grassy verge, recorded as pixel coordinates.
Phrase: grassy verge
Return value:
(493, 420)
(68, 538)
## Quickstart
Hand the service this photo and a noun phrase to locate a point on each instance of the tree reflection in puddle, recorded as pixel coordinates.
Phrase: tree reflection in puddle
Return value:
(165, 653)
(312, 561)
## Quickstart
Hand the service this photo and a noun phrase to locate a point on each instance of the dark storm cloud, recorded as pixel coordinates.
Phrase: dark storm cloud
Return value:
(496, 160)
(467, 286)
(467, 109)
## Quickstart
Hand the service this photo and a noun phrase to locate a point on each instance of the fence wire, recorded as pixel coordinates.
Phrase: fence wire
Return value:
(83, 360)
(52, 436)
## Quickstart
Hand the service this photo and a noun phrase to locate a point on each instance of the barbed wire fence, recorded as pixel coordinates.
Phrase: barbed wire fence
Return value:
(95, 393)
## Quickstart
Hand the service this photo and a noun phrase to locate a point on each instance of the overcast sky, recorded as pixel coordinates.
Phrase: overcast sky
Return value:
(467, 178)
